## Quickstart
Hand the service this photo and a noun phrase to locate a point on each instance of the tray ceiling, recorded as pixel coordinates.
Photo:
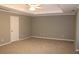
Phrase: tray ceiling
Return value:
(45, 9)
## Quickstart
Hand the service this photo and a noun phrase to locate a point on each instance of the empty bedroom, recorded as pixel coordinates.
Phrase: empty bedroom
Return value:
(39, 28)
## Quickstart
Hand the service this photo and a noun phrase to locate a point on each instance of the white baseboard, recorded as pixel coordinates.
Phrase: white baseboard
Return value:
(26, 38)
(5, 43)
(14, 41)
(53, 38)
(39, 37)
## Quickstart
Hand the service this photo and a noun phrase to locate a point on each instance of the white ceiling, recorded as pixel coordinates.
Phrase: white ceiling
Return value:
(45, 9)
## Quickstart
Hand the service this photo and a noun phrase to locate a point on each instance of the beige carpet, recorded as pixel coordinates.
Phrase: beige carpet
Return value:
(35, 45)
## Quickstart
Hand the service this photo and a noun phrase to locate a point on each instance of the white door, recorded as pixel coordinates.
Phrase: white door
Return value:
(14, 28)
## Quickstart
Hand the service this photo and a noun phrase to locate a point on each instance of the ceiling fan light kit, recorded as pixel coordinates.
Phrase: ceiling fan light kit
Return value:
(33, 7)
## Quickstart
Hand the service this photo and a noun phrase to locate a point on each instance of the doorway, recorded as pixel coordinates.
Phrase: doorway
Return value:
(14, 28)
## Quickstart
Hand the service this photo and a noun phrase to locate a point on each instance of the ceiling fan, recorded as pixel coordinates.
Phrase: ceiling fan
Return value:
(33, 7)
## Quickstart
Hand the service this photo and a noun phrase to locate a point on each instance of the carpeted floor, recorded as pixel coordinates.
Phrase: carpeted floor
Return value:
(35, 45)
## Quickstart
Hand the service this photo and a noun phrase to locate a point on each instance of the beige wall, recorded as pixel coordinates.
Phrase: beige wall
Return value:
(77, 31)
(4, 28)
(54, 26)
(24, 26)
